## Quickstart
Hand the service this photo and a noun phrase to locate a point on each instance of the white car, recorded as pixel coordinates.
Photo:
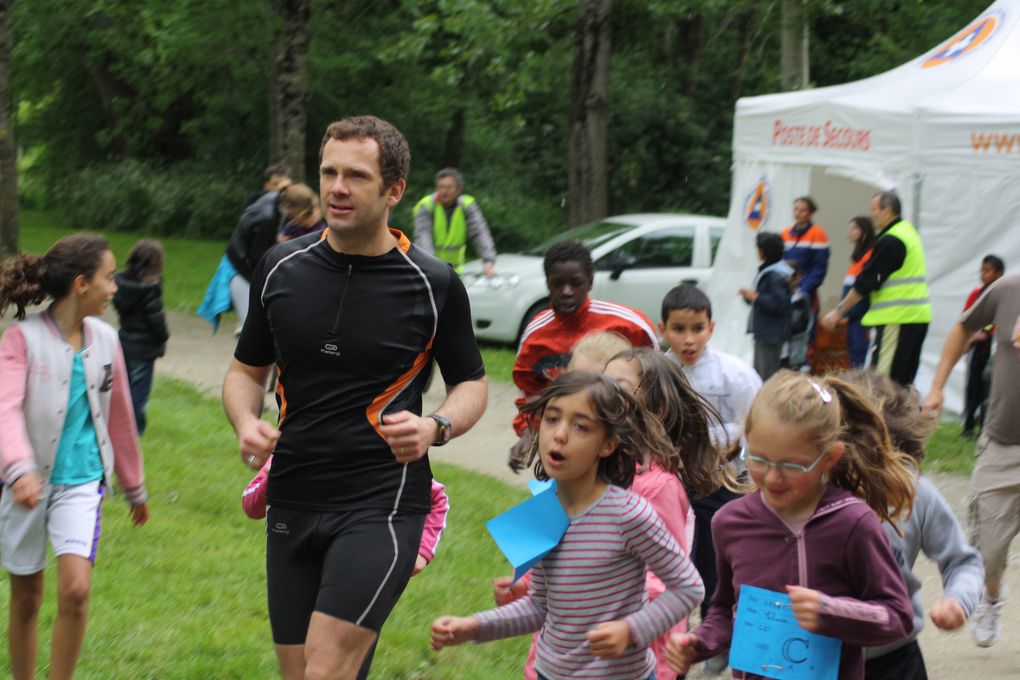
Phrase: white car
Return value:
(637, 259)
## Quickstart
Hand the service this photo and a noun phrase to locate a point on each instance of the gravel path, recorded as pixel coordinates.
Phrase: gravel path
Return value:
(200, 358)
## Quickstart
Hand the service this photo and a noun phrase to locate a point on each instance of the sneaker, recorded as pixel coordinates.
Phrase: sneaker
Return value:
(717, 664)
(968, 433)
(985, 625)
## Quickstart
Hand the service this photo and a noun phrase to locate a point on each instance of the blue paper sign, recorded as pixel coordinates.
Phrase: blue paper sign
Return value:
(767, 640)
(536, 487)
(529, 531)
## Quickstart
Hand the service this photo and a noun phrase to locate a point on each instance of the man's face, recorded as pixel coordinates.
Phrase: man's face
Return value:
(354, 201)
(687, 332)
(801, 213)
(568, 286)
(989, 273)
(880, 217)
(447, 191)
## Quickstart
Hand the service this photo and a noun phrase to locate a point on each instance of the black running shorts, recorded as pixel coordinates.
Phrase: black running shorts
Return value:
(351, 565)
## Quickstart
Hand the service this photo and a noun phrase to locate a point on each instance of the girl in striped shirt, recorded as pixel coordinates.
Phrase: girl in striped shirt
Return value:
(587, 596)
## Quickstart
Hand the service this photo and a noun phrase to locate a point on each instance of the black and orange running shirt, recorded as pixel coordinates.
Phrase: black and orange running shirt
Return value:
(353, 338)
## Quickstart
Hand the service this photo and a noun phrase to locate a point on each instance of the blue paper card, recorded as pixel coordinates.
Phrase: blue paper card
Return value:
(536, 487)
(529, 531)
(767, 640)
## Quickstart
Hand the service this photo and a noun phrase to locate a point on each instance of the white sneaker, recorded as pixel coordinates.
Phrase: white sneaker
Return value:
(985, 625)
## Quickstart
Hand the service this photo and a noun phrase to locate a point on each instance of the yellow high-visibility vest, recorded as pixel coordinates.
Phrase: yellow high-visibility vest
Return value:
(903, 297)
(449, 241)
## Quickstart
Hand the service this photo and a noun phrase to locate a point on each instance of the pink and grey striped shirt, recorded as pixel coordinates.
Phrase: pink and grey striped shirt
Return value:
(595, 575)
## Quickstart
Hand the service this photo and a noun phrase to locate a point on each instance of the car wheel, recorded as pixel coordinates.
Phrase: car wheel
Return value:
(532, 312)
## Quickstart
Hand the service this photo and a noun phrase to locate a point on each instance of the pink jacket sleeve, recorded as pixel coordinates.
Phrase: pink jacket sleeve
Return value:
(435, 522)
(667, 497)
(253, 500)
(127, 452)
(16, 454)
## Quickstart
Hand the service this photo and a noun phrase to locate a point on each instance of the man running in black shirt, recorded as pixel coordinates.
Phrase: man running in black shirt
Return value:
(352, 319)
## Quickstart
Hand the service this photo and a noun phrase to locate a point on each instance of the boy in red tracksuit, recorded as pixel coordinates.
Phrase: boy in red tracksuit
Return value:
(545, 345)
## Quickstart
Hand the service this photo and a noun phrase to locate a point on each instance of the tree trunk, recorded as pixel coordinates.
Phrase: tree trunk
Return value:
(588, 181)
(794, 62)
(289, 89)
(454, 147)
(746, 33)
(8, 150)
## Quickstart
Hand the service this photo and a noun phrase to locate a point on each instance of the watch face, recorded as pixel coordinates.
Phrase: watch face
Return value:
(443, 431)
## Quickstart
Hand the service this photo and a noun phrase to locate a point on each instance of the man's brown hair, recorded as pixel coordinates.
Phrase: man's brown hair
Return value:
(394, 154)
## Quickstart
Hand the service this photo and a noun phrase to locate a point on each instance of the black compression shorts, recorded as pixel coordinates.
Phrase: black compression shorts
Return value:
(351, 565)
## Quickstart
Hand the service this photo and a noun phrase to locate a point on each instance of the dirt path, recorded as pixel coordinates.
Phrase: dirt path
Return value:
(200, 358)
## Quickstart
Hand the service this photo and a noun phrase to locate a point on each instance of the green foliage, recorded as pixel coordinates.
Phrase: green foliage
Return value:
(188, 266)
(183, 597)
(177, 93)
(131, 195)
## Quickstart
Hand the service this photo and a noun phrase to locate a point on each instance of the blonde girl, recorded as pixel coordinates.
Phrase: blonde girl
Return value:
(592, 437)
(66, 426)
(827, 475)
(591, 352)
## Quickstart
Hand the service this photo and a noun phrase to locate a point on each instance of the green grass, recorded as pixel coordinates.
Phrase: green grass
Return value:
(184, 596)
(947, 452)
(189, 264)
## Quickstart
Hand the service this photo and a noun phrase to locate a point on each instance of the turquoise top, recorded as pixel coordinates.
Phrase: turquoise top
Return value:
(78, 460)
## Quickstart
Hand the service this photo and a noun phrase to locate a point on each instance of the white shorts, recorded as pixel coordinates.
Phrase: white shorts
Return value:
(67, 515)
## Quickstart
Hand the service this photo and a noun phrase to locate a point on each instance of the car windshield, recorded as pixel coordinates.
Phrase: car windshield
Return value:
(591, 235)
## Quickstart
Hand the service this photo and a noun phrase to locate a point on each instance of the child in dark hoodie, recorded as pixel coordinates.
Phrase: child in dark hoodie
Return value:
(143, 331)
(827, 476)
(771, 312)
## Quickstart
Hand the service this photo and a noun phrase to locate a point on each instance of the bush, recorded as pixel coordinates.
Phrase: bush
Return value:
(134, 196)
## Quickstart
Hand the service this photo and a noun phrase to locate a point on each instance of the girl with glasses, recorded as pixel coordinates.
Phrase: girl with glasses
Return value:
(827, 475)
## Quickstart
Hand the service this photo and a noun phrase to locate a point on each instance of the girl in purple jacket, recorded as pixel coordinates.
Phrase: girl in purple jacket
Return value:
(827, 475)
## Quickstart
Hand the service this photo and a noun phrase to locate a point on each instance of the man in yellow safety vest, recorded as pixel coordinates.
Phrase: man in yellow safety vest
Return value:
(445, 219)
(895, 280)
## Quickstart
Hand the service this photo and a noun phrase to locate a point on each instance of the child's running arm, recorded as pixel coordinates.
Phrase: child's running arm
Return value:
(646, 535)
(127, 452)
(716, 630)
(881, 611)
(525, 615)
(943, 541)
(435, 522)
(16, 455)
(253, 500)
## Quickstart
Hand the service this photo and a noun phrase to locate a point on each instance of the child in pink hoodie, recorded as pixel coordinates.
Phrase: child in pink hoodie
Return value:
(253, 500)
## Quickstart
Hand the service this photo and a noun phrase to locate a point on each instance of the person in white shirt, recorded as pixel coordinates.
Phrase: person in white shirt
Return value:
(727, 382)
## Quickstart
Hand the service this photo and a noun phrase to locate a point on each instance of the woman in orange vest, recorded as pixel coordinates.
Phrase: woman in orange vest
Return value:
(862, 234)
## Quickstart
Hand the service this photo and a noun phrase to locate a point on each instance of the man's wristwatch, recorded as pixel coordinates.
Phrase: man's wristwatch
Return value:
(444, 431)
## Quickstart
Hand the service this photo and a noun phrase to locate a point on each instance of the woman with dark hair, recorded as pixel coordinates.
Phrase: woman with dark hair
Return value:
(862, 234)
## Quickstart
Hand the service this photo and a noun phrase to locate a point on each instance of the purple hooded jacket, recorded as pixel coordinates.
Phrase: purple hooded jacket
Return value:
(842, 552)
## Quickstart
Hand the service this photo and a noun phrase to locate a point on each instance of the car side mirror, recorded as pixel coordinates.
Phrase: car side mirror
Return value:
(619, 261)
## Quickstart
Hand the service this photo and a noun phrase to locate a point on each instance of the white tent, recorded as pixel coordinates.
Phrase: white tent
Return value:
(943, 130)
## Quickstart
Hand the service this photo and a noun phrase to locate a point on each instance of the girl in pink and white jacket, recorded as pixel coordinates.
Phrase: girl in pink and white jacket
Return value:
(66, 426)
(253, 500)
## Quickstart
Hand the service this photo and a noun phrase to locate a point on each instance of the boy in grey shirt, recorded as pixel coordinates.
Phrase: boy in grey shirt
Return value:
(932, 527)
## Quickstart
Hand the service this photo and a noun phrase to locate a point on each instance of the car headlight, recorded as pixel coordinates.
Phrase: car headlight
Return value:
(502, 281)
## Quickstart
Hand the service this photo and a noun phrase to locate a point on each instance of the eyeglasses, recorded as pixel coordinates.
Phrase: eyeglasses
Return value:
(761, 466)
